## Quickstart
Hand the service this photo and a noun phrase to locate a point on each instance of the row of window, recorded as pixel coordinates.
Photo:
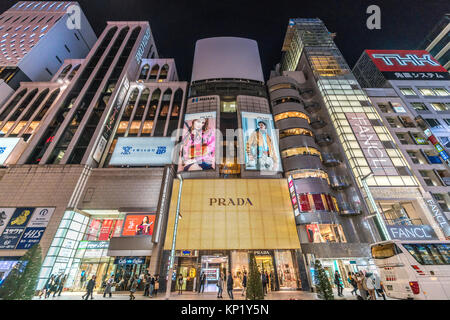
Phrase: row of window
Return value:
(308, 173)
(42, 5)
(295, 132)
(437, 106)
(427, 92)
(291, 114)
(153, 76)
(300, 151)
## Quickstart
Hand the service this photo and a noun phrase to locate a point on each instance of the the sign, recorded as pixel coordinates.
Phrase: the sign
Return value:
(294, 197)
(5, 215)
(413, 232)
(15, 228)
(260, 142)
(261, 253)
(211, 274)
(407, 65)
(25, 228)
(138, 224)
(105, 229)
(373, 149)
(7, 146)
(129, 260)
(436, 145)
(143, 151)
(198, 144)
(440, 219)
(95, 245)
(141, 49)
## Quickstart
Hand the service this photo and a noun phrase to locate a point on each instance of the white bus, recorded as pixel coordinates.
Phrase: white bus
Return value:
(414, 269)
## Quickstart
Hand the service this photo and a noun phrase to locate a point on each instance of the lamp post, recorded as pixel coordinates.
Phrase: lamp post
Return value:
(172, 252)
(379, 222)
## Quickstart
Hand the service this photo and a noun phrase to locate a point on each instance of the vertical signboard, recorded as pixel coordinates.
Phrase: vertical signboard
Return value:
(294, 197)
(260, 142)
(198, 146)
(36, 227)
(105, 229)
(370, 144)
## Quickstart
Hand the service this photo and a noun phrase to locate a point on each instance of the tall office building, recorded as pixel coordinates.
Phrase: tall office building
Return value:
(35, 39)
(411, 92)
(437, 42)
(94, 146)
(233, 201)
(335, 147)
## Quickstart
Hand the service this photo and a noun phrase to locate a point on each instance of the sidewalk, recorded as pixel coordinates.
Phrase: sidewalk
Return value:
(278, 295)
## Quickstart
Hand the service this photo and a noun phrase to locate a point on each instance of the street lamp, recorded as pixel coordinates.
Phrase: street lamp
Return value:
(172, 252)
(379, 222)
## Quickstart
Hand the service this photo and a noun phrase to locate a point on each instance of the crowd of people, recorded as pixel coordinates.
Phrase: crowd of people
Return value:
(366, 285)
(54, 284)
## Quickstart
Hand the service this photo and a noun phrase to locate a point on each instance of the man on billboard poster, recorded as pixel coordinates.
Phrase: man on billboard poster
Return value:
(260, 150)
(198, 145)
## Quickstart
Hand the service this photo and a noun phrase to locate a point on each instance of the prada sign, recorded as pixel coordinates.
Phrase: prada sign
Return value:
(414, 232)
(230, 202)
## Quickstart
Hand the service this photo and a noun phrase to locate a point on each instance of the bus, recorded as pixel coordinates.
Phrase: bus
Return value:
(414, 269)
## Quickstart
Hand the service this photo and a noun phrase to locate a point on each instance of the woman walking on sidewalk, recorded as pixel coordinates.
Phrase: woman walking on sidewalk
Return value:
(133, 288)
(352, 281)
(220, 286)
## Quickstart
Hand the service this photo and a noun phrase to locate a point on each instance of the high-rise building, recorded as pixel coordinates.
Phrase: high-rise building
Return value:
(35, 39)
(233, 201)
(437, 42)
(93, 149)
(354, 186)
(411, 92)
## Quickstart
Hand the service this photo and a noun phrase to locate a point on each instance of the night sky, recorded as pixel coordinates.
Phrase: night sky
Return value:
(176, 25)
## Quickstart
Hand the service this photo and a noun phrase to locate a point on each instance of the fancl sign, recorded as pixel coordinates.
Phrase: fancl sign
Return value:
(413, 232)
(142, 45)
(142, 151)
(438, 216)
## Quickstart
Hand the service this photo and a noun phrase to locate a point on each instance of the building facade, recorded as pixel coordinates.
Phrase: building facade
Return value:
(437, 42)
(95, 161)
(336, 144)
(233, 201)
(33, 31)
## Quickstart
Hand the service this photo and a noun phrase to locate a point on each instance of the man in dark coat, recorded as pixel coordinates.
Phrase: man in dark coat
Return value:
(230, 285)
(201, 289)
(90, 288)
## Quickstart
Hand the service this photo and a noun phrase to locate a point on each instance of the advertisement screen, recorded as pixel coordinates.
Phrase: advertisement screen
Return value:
(7, 145)
(260, 142)
(198, 145)
(142, 151)
(138, 224)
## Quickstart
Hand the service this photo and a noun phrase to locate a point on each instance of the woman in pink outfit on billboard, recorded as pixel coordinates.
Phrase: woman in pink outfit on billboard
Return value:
(198, 146)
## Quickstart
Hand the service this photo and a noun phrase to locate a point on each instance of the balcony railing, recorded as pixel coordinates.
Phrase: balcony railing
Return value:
(339, 182)
(317, 123)
(324, 139)
(330, 160)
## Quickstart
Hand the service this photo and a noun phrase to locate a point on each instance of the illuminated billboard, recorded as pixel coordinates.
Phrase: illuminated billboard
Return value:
(407, 65)
(198, 145)
(260, 142)
(138, 224)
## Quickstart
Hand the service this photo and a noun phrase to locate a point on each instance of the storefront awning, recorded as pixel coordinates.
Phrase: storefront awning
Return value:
(232, 214)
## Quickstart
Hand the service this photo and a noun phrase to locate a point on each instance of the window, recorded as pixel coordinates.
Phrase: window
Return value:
(432, 156)
(291, 114)
(407, 91)
(76, 36)
(300, 151)
(419, 106)
(228, 106)
(295, 132)
(307, 173)
(49, 72)
(402, 138)
(419, 139)
(443, 200)
(325, 233)
(428, 178)
(67, 48)
(282, 86)
(59, 60)
(434, 123)
(384, 251)
(429, 254)
(447, 121)
(439, 106)
(414, 157)
(426, 92)
(285, 100)
(441, 91)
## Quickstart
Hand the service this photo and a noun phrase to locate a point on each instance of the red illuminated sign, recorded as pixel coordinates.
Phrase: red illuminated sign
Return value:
(405, 60)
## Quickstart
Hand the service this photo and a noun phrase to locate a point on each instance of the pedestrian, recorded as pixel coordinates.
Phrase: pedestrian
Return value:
(202, 283)
(61, 285)
(267, 281)
(263, 280)
(382, 291)
(352, 281)
(90, 288)
(82, 278)
(133, 287)
(156, 285)
(146, 285)
(337, 282)
(180, 284)
(48, 285)
(244, 283)
(108, 288)
(230, 285)
(152, 286)
(55, 286)
(361, 284)
(370, 284)
(220, 286)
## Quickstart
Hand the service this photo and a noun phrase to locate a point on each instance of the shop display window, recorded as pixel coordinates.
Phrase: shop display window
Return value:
(325, 233)
(318, 203)
(304, 203)
(287, 277)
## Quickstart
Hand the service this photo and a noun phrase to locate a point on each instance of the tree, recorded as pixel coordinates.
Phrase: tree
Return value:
(21, 281)
(254, 284)
(323, 285)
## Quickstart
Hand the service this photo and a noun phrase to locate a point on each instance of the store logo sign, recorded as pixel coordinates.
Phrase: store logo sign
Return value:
(142, 45)
(413, 59)
(416, 232)
(237, 202)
